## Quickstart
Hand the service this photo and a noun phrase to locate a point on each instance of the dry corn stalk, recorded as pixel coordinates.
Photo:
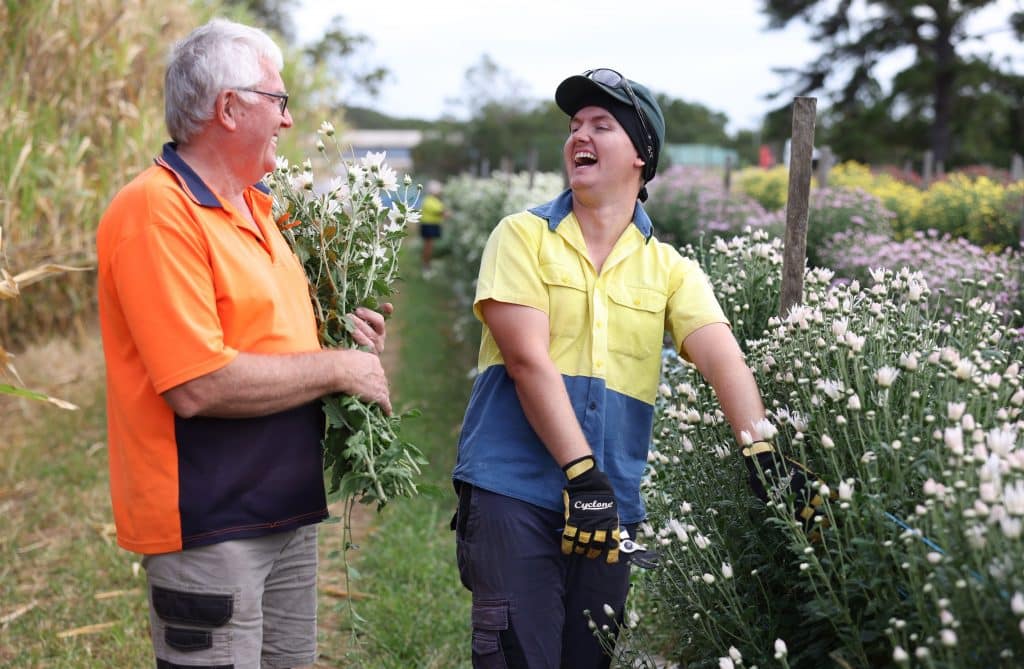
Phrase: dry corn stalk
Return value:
(9, 289)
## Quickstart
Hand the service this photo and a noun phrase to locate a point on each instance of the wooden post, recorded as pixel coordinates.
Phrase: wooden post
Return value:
(727, 182)
(926, 176)
(531, 164)
(794, 257)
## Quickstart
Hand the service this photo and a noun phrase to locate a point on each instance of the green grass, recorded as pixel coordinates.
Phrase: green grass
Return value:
(418, 615)
(60, 569)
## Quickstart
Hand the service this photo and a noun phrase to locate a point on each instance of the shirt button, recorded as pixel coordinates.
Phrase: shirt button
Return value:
(636, 301)
(598, 325)
(599, 364)
(593, 406)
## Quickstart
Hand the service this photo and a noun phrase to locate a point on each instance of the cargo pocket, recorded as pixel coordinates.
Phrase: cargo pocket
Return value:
(495, 645)
(190, 622)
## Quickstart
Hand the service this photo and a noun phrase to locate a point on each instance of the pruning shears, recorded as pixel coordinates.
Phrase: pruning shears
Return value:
(637, 554)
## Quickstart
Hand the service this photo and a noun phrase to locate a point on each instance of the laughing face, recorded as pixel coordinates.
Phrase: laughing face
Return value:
(598, 152)
(265, 120)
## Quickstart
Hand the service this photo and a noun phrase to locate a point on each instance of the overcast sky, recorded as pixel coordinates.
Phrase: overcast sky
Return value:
(715, 52)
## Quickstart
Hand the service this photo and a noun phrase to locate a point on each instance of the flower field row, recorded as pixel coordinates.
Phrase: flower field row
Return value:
(900, 385)
(975, 207)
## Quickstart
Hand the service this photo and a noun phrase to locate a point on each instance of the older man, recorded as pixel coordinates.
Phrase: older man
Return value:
(214, 370)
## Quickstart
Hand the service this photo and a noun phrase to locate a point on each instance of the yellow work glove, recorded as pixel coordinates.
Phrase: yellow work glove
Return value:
(591, 513)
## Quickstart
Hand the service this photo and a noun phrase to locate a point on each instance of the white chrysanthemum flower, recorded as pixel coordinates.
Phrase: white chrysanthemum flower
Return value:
(373, 160)
(1018, 398)
(1017, 603)
(780, 649)
(388, 179)
(846, 490)
(899, 655)
(954, 439)
(765, 428)
(302, 181)
(726, 570)
(948, 637)
(839, 327)
(326, 128)
(609, 611)
(735, 654)
(679, 530)
(915, 289)
(1013, 498)
(1001, 440)
(955, 410)
(281, 164)
(855, 343)
(885, 376)
(701, 541)
(909, 361)
(1011, 527)
(831, 387)
(964, 370)
(708, 578)
(853, 403)
(725, 663)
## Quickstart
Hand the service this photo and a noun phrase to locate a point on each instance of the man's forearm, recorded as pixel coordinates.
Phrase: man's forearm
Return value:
(547, 407)
(259, 384)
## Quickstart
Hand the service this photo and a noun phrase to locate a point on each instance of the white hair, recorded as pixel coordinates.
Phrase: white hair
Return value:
(221, 54)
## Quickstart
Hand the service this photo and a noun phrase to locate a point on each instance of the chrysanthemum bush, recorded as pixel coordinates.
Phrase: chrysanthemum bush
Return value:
(475, 206)
(347, 235)
(903, 199)
(954, 268)
(687, 203)
(979, 209)
(912, 417)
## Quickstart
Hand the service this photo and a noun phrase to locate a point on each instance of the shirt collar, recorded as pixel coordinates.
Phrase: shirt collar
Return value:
(556, 210)
(189, 181)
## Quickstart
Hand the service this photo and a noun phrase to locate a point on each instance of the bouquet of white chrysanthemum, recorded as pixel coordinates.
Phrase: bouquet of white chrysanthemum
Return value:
(347, 237)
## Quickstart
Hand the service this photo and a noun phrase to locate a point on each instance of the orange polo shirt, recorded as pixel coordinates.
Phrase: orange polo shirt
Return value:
(185, 283)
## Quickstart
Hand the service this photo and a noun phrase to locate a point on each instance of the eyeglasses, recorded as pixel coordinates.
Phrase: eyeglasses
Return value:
(612, 79)
(282, 98)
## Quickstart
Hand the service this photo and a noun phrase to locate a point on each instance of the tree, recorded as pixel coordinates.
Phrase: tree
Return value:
(857, 34)
(337, 49)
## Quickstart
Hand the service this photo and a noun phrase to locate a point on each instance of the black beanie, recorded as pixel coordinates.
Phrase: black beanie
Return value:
(627, 117)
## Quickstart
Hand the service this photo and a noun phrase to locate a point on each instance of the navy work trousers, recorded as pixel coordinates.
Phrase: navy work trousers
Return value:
(528, 598)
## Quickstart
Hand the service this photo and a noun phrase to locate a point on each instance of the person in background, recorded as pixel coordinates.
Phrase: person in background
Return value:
(574, 297)
(432, 214)
(215, 371)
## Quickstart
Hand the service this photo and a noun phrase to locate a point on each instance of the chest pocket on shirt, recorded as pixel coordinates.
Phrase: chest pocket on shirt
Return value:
(567, 300)
(636, 320)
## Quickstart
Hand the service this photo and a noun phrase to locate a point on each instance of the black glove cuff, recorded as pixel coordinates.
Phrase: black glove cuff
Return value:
(579, 467)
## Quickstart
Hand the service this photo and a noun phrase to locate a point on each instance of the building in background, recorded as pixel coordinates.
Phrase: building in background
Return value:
(700, 155)
(397, 144)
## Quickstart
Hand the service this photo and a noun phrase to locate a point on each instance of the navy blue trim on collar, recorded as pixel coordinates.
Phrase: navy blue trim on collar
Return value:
(556, 210)
(170, 159)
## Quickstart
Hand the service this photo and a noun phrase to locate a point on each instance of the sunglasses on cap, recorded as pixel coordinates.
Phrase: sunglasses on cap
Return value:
(612, 79)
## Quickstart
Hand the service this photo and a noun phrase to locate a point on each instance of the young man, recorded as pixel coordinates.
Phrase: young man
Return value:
(214, 371)
(575, 297)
